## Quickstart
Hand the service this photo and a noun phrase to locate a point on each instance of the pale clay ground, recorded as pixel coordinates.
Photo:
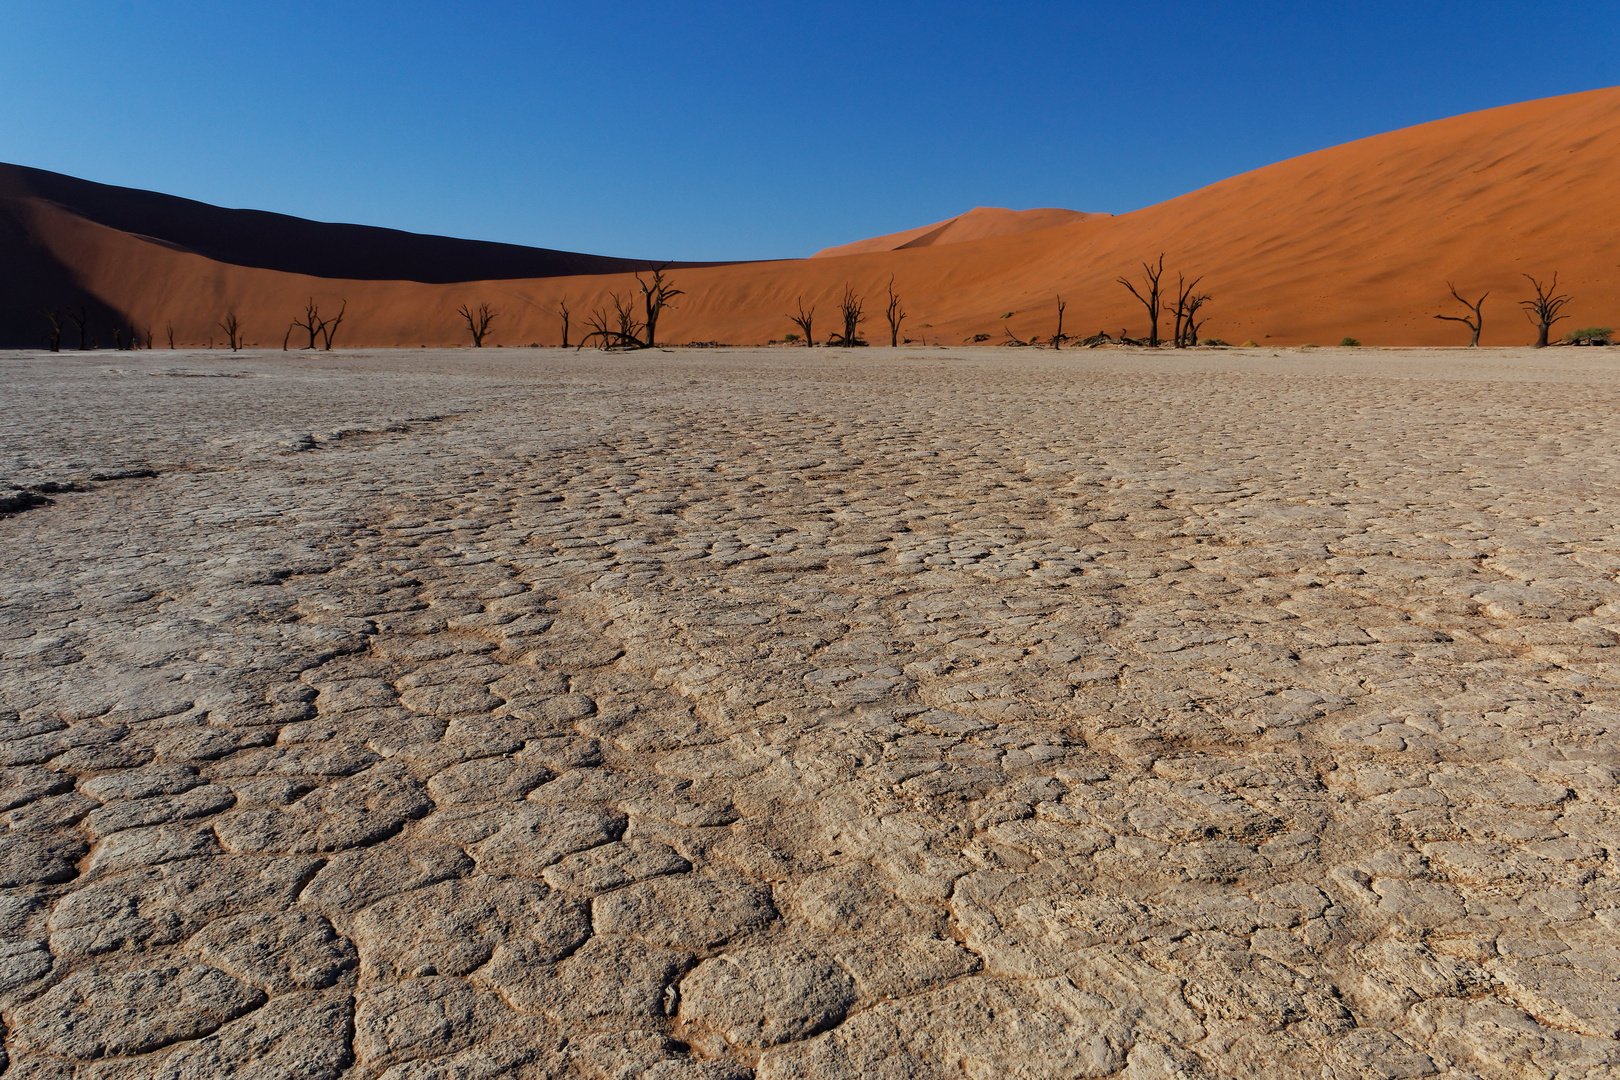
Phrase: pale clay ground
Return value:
(708, 715)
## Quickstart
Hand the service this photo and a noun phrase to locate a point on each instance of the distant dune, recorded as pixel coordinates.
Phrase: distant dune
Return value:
(980, 223)
(1357, 240)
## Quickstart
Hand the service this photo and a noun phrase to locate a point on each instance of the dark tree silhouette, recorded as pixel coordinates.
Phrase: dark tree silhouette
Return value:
(562, 311)
(657, 294)
(624, 313)
(1194, 303)
(81, 321)
(804, 320)
(329, 327)
(895, 314)
(1151, 300)
(478, 321)
(233, 330)
(168, 325)
(311, 325)
(1058, 339)
(1477, 321)
(1543, 310)
(850, 308)
(1184, 297)
(54, 317)
(617, 331)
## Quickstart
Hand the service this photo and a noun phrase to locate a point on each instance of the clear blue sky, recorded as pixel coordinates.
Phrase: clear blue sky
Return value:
(700, 130)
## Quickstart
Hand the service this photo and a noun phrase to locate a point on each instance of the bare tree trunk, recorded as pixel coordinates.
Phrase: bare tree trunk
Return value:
(1543, 310)
(54, 317)
(1058, 339)
(896, 315)
(850, 307)
(804, 320)
(329, 329)
(657, 293)
(81, 320)
(1195, 302)
(478, 321)
(233, 330)
(562, 310)
(1478, 321)
(168, 325)
(1151, 299)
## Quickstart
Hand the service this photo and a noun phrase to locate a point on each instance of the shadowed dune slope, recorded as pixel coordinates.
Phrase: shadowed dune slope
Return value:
(1358, 240)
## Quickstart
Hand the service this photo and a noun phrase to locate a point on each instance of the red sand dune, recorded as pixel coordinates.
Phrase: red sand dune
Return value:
(1359, 239)
(980, 223)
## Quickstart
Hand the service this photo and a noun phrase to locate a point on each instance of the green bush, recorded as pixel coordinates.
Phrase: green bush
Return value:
(1348, 342)
(1588, 333)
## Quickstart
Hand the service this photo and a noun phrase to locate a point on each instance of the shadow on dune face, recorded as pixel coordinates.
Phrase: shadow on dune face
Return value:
(296, 246)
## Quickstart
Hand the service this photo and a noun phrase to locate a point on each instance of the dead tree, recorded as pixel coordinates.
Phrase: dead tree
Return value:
(562, 311)
(1011, 338)
(657, 293)
(1478, 320)
(54, 317)
(624, 311)
(597, 320)
(1151, 299)
(478, 321)
(850, 307)
(1184, 295)
(311, 325)
(1058, 339)
(81, 320)
(617, 331)
(329, 327)
(233, 330)
(895, 314)
(1194, 303)
(804, 320)
(1543, 310)
(168, 325)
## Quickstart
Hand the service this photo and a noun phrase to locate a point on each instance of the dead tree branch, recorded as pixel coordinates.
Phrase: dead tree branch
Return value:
(1543, 310)
(617, 331)
(1477, 321)
(850, 308)
(1151, 300)
(1194, 303)
(233, 330)
(657, 294)
(804, 320)
(562, 311)
(895, 314)
(54, 317)
(478, 321)
(329, 328)
(81, 320)
(1184, 295)
(311, 325)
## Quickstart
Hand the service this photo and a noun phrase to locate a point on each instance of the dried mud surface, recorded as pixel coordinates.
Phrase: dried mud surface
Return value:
(717, 715)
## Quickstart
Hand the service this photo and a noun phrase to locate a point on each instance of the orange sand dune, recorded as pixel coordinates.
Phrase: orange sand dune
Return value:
(980, 223)
(1358, 240)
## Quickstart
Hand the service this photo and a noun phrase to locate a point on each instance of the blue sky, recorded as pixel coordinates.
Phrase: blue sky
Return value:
(703, 130)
